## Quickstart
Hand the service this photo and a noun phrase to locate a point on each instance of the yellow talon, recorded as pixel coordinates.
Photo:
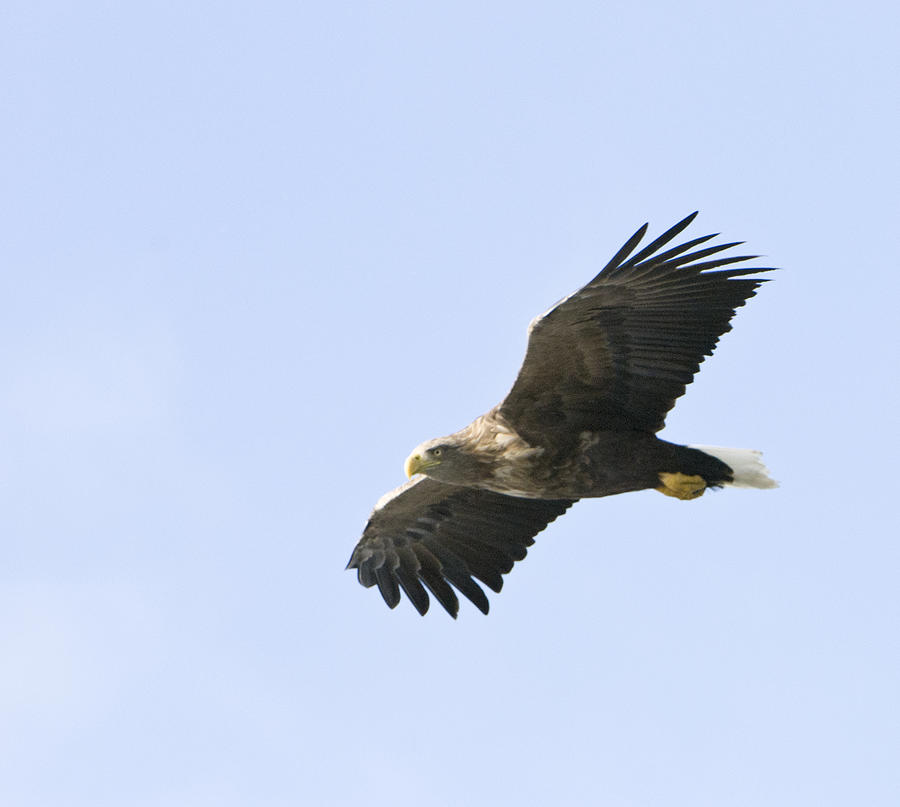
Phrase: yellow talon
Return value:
(681, 486)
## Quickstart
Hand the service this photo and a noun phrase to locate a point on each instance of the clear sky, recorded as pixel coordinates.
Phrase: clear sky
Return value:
(252, 253)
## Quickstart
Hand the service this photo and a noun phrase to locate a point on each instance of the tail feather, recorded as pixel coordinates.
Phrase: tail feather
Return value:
(745, 463)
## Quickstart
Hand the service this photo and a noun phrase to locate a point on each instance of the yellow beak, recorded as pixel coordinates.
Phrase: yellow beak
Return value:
(417, 464)
(414, 465)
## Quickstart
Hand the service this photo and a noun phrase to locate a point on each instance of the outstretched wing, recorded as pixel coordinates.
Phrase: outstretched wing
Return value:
(428, 535)
(617, 353)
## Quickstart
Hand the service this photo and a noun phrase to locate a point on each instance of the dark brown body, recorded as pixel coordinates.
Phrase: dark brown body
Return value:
(603, 464)
(620, 462)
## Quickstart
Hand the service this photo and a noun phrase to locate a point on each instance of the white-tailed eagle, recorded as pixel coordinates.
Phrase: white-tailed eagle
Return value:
(602, 369)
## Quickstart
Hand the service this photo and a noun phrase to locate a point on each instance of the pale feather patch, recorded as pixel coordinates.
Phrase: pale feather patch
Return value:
(587, 441)
(503, 439)
(491, 434)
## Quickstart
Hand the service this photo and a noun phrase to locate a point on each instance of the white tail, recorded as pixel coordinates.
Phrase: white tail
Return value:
(749, 471)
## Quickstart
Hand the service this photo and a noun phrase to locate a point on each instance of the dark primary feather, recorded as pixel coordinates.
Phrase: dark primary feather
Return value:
(618, 353)
(436, 537)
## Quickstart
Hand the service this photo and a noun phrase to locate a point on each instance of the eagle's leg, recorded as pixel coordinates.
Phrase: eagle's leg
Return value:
(681, 486)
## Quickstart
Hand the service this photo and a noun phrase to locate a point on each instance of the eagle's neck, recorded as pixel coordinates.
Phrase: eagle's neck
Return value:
(506, 458)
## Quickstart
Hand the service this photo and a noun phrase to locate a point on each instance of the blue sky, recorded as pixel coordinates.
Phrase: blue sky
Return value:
(252, 254)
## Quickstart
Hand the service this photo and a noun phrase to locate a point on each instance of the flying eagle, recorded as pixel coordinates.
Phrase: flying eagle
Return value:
(602, 369)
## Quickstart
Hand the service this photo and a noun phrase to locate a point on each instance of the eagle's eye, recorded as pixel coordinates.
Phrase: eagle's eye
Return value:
(436, 452)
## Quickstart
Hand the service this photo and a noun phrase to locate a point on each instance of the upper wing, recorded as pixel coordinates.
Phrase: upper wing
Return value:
(617, 353)
(436, 534)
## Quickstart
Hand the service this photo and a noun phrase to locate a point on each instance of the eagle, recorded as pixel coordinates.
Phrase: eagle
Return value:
(602, 368)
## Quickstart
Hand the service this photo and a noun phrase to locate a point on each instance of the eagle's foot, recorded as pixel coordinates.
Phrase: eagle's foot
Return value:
(681, 486)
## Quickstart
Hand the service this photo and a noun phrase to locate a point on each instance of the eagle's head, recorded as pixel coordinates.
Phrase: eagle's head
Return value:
(445, 459)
